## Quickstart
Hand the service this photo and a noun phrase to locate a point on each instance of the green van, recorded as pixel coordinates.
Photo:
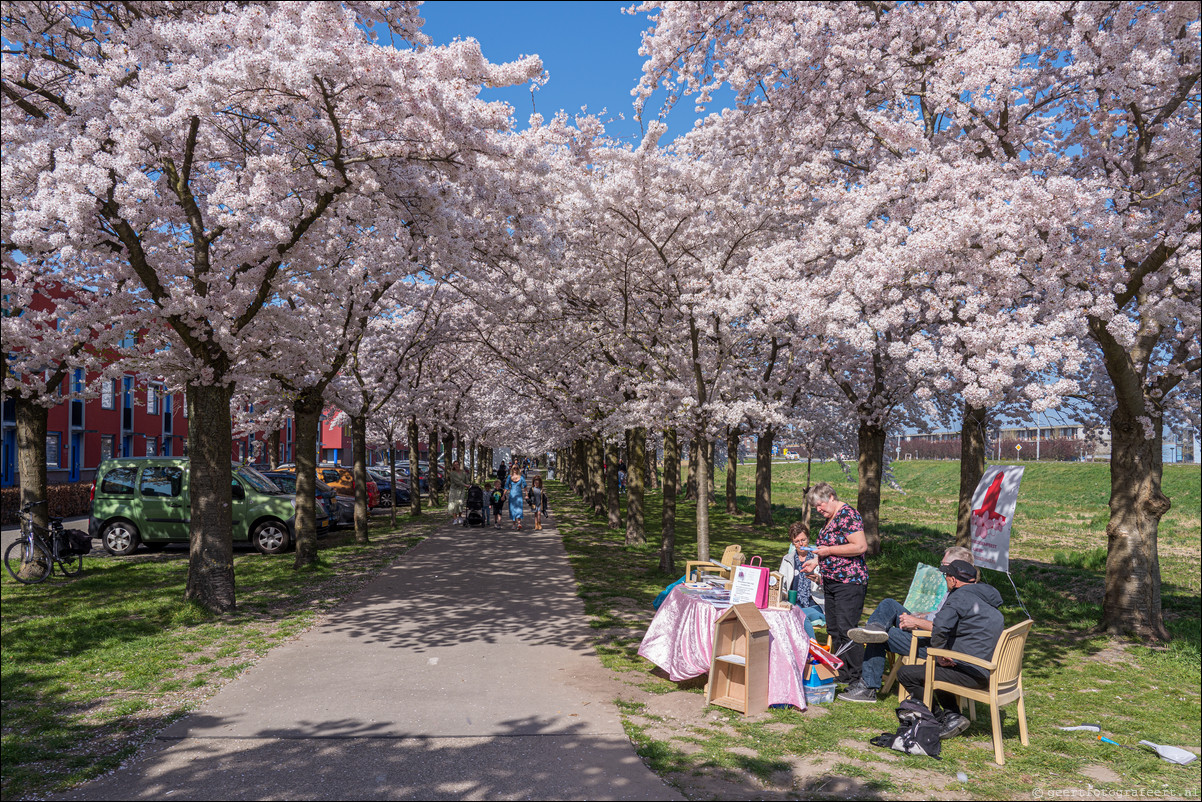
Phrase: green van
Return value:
(145, 500)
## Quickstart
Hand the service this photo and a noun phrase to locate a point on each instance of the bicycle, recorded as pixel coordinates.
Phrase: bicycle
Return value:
(32, 559)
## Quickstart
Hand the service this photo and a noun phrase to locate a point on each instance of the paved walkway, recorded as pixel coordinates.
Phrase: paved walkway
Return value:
(463, 672)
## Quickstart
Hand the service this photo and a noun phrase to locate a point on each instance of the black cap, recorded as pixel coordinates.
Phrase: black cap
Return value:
(960, 569)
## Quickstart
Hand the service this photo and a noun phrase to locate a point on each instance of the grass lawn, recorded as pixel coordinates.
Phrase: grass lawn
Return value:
(1072, 675)
(92, 667)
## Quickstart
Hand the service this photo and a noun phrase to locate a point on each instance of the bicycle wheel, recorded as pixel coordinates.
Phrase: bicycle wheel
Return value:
(71, 565)
(28, 564)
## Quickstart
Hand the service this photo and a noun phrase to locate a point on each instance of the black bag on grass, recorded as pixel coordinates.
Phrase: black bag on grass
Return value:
(917, 734)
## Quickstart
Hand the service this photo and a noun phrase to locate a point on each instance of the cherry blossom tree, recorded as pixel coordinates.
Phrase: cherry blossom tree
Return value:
(214, 149)
(1096, 104)
(57, 334)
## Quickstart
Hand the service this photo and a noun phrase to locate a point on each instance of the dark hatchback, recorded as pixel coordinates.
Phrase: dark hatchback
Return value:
(387, 496)
(326, 496)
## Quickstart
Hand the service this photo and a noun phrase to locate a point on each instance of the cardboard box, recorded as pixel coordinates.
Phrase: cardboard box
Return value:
(818, 674)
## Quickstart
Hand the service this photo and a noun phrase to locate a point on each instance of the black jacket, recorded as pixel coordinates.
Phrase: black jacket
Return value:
(970, 622)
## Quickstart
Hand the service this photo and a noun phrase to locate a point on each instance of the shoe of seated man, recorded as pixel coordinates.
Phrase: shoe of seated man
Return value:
(952, 724)
(869, 633)
(858, 692)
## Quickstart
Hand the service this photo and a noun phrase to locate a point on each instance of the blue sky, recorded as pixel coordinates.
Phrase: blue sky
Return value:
(590, 50)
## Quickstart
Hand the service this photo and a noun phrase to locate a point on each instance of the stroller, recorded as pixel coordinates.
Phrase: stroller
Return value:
(473, 502)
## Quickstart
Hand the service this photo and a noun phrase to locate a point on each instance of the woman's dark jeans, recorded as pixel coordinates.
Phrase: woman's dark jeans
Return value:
(844, 606)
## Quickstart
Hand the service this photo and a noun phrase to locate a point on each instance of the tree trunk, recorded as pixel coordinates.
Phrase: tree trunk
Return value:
(433, 460)
(732, 463)
(667, 548)
(273, 449)
(306, 418)
(710, 448)
(415, 482)
(580, 467)
(870, 466)
(359, 469)
(972, 468)
(806, 507)
(652, 466)
(32, 423)
(596, 476)
(636, 480)
(1131, 604)
(690, 488)
(392, 478)
(763, 478)
(703, 502)
(211, 545)
(613, 507)
(582, 485)
(448, 448)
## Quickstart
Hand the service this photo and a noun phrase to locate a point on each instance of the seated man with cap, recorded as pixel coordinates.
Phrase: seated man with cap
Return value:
(888, 630)
(969, 622)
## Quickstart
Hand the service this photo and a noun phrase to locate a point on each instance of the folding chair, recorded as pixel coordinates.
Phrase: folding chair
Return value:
(896, 661)
(724, 568)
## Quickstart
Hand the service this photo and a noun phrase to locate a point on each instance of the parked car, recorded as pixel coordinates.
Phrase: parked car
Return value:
(389, 496)
(402, 470)
(342, 479)
(146, 500)
(340, 509)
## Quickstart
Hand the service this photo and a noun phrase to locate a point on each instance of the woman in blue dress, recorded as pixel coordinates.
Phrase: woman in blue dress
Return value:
(516, 486)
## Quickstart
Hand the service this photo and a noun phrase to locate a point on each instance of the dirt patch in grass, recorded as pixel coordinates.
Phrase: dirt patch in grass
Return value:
(1101, 774)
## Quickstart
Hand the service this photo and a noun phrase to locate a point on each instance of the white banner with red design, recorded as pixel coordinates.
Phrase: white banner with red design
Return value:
(993, 506)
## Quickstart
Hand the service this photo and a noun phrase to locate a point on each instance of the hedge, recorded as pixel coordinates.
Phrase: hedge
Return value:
(66, 500)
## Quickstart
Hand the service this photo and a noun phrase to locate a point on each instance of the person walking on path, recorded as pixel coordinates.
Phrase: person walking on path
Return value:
(516, 486)
(496, 500)
(840, 552)
(538, 500)
(457, 482)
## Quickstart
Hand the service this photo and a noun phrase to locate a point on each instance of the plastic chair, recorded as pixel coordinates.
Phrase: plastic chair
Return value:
(724, 568)
(1005, 682)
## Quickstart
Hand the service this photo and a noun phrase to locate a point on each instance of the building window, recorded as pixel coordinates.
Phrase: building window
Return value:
(152, 446)
(54, 447)
(108, 394)
(107, 444)
(152, 399)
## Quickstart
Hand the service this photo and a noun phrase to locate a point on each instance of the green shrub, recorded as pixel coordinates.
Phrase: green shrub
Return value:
(66, 500)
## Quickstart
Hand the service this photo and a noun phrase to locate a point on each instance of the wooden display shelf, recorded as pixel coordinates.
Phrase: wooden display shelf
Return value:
(739, 671)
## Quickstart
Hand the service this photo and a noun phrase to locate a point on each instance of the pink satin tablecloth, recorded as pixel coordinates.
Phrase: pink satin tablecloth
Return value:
(680, 640)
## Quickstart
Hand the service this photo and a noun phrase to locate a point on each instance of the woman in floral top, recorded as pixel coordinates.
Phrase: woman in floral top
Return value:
(840, 552)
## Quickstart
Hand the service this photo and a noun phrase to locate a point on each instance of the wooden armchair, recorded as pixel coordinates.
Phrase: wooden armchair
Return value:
(725, 567)
(1005, 682)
